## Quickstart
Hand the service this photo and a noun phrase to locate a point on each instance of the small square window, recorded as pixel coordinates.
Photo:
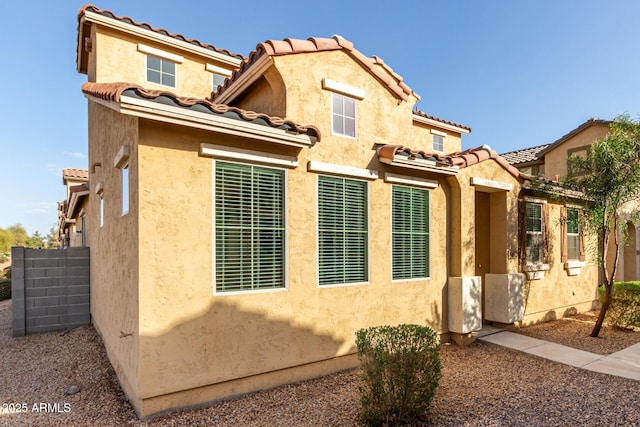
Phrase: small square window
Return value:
(343, 115)
(438, 143)
(161, 71)
(217, 81)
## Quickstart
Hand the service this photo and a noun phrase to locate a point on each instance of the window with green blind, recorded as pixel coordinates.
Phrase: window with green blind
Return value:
(249, 227)
(342, 231)
(535, 242)
(409, 233)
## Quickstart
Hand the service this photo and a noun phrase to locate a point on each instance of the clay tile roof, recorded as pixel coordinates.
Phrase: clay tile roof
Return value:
(417, 112)
(114, 91)
(288, 46)
(144, 25)
(525, 155)
(75, 175)
(460, 159)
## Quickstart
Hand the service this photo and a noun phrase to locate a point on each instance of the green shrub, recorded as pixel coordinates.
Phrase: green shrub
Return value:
(6, 272)
(5, 289)
(400, 372)
(624, 311)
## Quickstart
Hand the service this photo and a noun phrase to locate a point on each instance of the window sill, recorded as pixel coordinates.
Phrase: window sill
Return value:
(535, 271)
(574, 267)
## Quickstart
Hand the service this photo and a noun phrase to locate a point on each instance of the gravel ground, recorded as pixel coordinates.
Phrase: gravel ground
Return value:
(482, 385)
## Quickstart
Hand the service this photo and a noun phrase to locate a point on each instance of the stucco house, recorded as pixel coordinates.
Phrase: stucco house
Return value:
(242, 229)
(71, 210)
(552, 162)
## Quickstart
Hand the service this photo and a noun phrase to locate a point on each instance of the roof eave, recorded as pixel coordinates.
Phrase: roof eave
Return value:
(441, 125)
(148, 109)
(423, 165)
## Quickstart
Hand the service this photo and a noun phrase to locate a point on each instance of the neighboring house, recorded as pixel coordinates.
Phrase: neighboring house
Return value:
(242, 232)
(551, 162)
(72, 210)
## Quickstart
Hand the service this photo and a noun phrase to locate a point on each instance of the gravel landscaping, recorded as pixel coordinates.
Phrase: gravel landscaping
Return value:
(482, 385)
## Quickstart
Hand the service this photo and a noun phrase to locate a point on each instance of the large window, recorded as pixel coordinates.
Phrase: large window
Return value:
(343, 115)
(249, 227)
(573, 234)
(161, 71)
(410, 232)
(342, 230)
(535, 241)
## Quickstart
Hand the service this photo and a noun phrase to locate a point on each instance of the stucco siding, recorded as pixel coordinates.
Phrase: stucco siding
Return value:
(114, 245)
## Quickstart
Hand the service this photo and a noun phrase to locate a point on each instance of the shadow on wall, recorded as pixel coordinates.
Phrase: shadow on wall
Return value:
(226, 343)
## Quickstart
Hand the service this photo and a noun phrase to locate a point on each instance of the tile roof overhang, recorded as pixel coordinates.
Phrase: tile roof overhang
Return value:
(128, 98)
(91, 14)
(524, 156)
(450, 164)
(423, 117)
(591, 122)
(77, 193)
(71, 174)
(259, 60)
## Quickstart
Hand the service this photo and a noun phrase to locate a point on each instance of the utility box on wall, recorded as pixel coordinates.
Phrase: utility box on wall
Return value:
(465, 304)
(504, 297)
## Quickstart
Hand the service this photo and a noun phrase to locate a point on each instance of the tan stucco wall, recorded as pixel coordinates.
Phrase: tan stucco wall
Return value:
(114, 246)
(191, 338)
(558, 294)
(555, 161)
(115, 58)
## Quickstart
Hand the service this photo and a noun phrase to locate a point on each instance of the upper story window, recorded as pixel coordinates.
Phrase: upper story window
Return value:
(218, 75)
(438, 143)
(535, 240)
(343, 120)
(573, 234)
(161, 71)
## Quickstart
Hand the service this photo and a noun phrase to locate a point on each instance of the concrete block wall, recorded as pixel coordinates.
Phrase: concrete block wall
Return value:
(49, 289)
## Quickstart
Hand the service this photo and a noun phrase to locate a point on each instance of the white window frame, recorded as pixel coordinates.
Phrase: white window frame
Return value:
(425, 188)
(217, 72)
(125, 188)
(367, 269)
(335, 115)
(162, 73)
(575, 236)
(285, 255)
(538, 234)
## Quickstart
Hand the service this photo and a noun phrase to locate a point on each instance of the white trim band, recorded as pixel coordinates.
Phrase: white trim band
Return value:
(439, 133)
(218, 70)
(239, 154)
(160, 53)
(435, 123)
(409, 180)
(331, 169)
(342, 88)
(488, 183)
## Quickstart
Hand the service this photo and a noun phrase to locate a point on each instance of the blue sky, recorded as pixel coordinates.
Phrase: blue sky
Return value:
(519, 73)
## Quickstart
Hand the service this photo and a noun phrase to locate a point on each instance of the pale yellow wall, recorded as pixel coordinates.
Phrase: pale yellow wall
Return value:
(421, 138)
(117, 59)
(559, 294)
(190, 337)
(555, 161)
(114, 246)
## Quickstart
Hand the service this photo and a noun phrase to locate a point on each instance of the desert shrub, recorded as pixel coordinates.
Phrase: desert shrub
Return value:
(6, 272)
(624, 311)
(5, 289)
(400, 372)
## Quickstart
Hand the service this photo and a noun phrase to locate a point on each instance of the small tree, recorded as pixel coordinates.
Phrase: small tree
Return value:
(611, 183)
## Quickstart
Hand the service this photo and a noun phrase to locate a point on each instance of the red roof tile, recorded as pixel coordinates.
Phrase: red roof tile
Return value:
(417, 112)
(144, 25)
(75, 175)
(114, 91)
(525, 155)
(288, 46)
(460, 159)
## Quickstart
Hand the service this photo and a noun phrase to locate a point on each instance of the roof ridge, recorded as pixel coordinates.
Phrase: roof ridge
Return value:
(146, 26)
(289, 46)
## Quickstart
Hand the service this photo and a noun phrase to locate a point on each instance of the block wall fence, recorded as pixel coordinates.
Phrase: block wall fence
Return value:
(49, 289)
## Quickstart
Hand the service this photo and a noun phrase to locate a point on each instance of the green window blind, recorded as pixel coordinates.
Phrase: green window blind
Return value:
(250, 227)
(343, 230)
(410, 233)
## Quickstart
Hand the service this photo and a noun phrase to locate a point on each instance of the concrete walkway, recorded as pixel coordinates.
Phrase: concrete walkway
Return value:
(624, 363)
